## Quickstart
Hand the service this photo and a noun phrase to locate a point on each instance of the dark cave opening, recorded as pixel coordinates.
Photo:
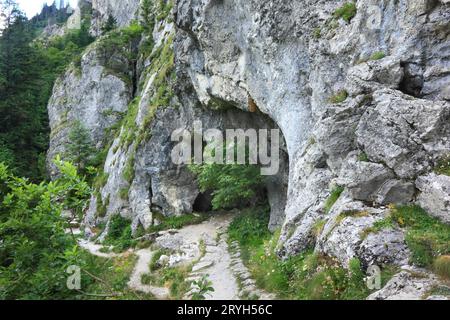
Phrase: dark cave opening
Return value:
(203, 202)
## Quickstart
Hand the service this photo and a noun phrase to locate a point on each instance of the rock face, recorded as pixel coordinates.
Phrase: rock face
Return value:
(91, 94)
(409, 284)
(435, 195)
(363, 104)
(123, 11)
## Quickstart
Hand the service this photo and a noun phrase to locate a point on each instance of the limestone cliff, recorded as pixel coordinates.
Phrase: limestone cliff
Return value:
(363, 104)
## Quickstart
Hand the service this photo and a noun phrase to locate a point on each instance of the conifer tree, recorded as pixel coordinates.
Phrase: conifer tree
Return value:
(80, 147)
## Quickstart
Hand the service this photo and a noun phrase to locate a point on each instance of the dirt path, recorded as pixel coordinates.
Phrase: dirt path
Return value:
(229, 277)
(215, 265)
(142, 268)
(96, 249)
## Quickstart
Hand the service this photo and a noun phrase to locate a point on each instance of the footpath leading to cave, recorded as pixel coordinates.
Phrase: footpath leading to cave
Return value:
(206, 247)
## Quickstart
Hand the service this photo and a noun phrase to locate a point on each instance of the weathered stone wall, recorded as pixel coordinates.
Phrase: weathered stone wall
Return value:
(362, 104)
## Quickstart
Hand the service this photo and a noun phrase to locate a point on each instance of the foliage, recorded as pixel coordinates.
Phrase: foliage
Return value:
(250, 227)
(147, 15)
(347, 11)
(172, 278)
(232, 185)
(28, 70)
(202, 287)
(120, 42)
(377, 55)
(109, 25)
(6, 154)
(120, 234)
(154, 265)
(35, 249)
(339, 97)
(79, 147)
(426, 236)
(163, 9)
(363, 157)
(443, 166)
(307, 276)
(334, 196)
(108, 278)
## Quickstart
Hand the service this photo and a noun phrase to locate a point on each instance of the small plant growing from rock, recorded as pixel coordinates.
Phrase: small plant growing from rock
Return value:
(443, 166)
(339, 97)
(346, 12)
(203, 288)
(363, 157)
(317, 33)
(377, 55)
(334, 196)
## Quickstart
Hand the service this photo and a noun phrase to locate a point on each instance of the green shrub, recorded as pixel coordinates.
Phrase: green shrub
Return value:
(128, 171)
(120, 234)
(363, 157)
(6, 154)
(35, 250)
(153, 266)
(172, 278)
(317, 33)
(100, 180)
(163, 9)
(202, 288)
(339, 97)
(347, 11)
(377, 55)
(334, 196)
(79, 147)
(232, 185)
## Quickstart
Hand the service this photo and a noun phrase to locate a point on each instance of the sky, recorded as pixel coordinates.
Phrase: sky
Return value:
(32, 7)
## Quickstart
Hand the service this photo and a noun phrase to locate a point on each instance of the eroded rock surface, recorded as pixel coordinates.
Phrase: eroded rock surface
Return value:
(362, 104)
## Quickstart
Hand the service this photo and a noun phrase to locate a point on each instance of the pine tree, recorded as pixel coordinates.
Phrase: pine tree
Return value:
(28, 70)
(79, 148)
(23, 124)
(109, 25)
(147, 15)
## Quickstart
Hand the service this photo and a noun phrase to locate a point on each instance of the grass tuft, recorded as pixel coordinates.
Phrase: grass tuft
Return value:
(176, 222)
(347, 11)
(427, 237)
(442, 266)
(334, 196)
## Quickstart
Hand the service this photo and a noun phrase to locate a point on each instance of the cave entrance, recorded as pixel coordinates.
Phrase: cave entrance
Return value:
(203, 202)
(247, 127)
